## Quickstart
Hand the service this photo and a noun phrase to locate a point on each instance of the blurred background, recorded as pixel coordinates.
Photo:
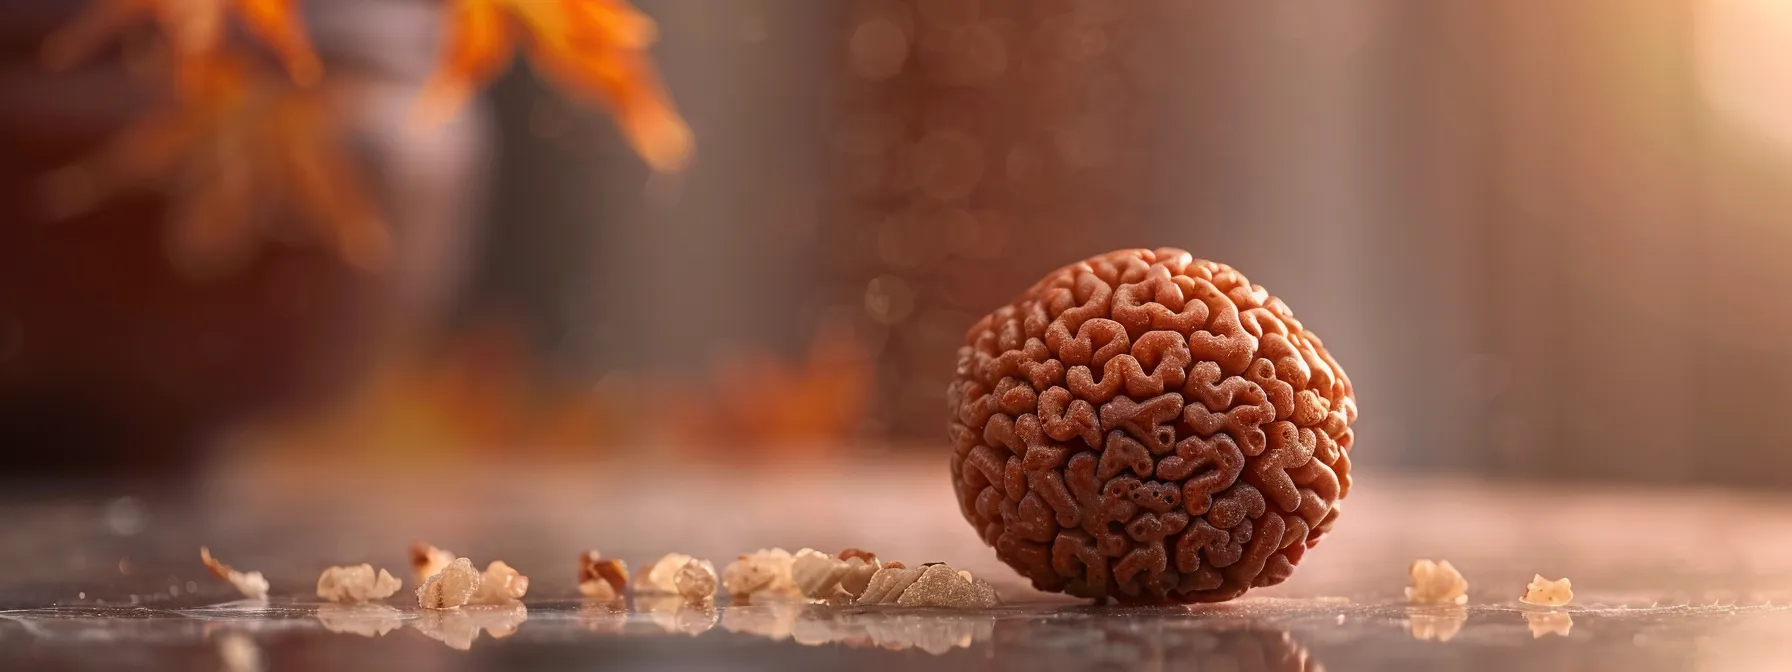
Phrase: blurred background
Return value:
(1545, 238)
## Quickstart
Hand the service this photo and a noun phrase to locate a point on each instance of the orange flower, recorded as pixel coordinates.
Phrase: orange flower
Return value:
(237, 144)
(195, 29)
(595, 49)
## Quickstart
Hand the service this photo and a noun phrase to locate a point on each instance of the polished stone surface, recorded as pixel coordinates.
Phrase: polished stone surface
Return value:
(1256, 634)
(107, 577)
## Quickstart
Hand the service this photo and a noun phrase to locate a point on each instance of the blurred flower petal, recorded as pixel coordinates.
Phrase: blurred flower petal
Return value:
(91, 28)
(195, 29)
(477, 46)
(592, 49)
(210, 227)
(277, 23)
(326, 189)
(240, 152)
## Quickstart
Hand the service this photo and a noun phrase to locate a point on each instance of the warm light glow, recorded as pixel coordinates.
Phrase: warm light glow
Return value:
(1744, 63)
(481, 394)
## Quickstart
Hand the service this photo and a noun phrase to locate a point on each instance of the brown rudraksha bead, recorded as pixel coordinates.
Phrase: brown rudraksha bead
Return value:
(1150, 427)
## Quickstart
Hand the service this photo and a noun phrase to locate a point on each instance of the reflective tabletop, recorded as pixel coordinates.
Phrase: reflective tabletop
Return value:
(109, 578)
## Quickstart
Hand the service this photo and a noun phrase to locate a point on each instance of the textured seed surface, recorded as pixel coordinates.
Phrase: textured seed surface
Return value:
(1150, 427)
(500, 584)
(763, 574)
(817, 574)
(450, 588)
(427, 560)
(932, 585)
(600, 579)
(696, 581)
(356, 583)
(1436, 583)
(1545, 592)
(251, 584)
(657, 578)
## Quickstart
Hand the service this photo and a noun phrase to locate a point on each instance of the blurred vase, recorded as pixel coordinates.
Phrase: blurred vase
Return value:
(113, 360)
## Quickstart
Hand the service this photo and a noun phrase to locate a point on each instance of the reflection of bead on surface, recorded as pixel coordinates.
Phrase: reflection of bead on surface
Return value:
(1127, 643)
(365, 620)
(1557, 623)
(1150, 427)
(1436, 623)
(459, 628)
